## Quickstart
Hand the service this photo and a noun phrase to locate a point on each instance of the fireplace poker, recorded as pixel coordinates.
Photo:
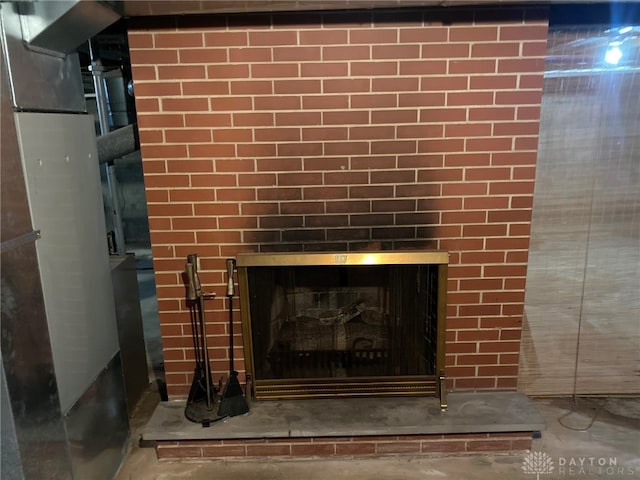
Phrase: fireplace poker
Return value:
(233, 402)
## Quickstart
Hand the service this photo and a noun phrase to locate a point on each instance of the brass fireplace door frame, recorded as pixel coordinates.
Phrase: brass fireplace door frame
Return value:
(424, 385)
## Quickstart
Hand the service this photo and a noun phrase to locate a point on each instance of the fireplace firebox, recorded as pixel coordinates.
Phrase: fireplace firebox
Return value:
(344, 324)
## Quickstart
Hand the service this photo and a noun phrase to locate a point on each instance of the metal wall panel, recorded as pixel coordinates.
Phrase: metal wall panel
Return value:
(98, 426)
(63, 185)
(58, 314)
(130, 330)
(28, 365)
(31, 405)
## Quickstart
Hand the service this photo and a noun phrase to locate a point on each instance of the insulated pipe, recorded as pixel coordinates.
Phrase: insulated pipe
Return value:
(118, 143)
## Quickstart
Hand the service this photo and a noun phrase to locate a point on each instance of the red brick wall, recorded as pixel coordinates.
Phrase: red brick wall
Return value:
(336, 131)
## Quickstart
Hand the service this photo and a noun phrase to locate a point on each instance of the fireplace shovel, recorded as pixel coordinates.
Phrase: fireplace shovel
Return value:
(233, 402)
(202, 395)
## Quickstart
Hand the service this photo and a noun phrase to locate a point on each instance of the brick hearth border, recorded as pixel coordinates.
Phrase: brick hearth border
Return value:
(356, 446)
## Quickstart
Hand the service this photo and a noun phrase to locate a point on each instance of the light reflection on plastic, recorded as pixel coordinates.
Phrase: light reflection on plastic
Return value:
(613, 55)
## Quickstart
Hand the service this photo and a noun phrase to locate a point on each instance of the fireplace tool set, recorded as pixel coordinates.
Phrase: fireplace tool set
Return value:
(203, 403)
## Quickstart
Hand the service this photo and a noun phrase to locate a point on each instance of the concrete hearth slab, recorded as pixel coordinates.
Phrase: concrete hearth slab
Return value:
(468, 413)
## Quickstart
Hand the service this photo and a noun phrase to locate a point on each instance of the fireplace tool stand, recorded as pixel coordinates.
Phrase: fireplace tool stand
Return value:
(201, 403)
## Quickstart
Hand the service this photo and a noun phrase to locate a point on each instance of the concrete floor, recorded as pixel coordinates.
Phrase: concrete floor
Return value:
(600, 430)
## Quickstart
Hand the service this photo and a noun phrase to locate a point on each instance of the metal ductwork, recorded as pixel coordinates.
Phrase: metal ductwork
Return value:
(39, 39)
(62, 26)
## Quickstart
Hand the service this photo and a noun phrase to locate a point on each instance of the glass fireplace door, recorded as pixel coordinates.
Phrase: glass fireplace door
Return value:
(342, 329)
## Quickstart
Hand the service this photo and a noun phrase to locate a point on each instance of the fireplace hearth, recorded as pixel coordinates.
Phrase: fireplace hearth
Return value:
(344, 324)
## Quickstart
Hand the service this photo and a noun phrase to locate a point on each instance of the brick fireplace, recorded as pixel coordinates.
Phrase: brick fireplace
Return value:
(344, 131)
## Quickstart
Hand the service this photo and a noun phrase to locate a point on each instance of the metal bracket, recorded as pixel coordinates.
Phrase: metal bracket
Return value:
(442, 387)
(20, 240)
